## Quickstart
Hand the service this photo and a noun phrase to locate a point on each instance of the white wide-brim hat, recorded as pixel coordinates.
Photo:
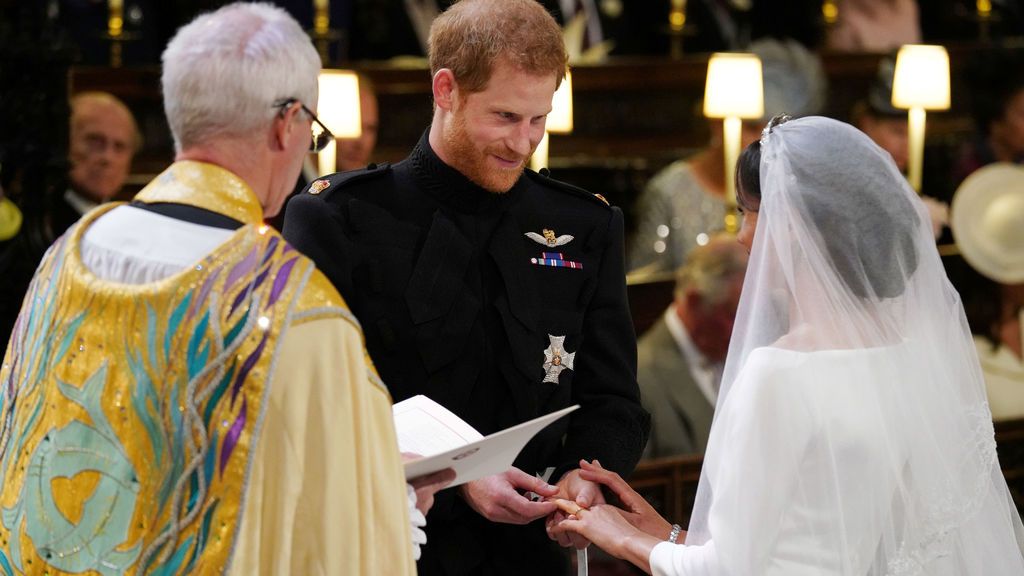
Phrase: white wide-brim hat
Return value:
(988, 221)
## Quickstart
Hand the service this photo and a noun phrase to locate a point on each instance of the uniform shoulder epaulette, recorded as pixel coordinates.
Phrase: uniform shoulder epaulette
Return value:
(545, 180)
(340, 180)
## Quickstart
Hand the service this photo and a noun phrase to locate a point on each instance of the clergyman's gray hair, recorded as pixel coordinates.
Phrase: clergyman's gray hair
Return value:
(224, 71)
(709, 270)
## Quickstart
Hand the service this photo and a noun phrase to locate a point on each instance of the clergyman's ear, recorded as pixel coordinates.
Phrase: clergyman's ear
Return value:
(283, 125)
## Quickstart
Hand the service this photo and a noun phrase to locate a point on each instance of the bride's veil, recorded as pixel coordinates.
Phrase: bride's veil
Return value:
(844, 264)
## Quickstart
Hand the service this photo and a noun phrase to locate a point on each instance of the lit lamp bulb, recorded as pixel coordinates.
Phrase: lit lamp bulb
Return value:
(734, 90)
(677, 16)
(115, 21)
(321, 16)
(338, 109)
(984, 8)
(920, 82)
(830, 12)
(559, 121)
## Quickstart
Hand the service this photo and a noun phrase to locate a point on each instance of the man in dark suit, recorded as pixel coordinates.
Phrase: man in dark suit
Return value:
(680, 358)
(632, 27)
(495, 291)
(103, 139)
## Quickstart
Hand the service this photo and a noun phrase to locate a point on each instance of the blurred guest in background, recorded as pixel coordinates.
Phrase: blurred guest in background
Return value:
(988, 224)
(354, 153)
(887, 126)
(383, 29)
(104, 138)
(16, 265)
(680, 359)
(997, 98)
(685, 203)
(624, 27)
(879, 119)
(874, 26)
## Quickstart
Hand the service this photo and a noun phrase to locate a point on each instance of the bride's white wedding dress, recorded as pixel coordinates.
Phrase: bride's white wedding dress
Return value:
(852, 435)
(823, 510)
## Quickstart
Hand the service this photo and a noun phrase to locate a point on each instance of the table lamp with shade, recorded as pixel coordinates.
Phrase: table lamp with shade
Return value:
(920, 82)
(734, 91)
(559, 121)
(338, 109)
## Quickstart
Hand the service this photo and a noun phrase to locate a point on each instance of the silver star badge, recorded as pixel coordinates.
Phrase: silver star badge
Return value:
(556, 359)
(549, 239)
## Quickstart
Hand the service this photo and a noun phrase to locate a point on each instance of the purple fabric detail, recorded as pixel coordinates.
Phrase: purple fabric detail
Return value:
(288, 248)
(231, 439)
(246, 291)
(261, 278)
(247, 367)
(280, 280)
(200, 302)
(271, 247)
(241, 269)
(238, 300)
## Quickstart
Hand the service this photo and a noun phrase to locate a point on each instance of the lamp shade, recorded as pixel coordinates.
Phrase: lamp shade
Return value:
(734, 86)
(338, 107)
(921, 79)
(560, 119)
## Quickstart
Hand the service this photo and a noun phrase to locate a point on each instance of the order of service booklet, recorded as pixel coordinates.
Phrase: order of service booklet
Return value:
(443, 440)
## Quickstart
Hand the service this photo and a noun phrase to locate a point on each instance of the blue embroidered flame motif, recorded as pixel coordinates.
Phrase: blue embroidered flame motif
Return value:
(95, 542)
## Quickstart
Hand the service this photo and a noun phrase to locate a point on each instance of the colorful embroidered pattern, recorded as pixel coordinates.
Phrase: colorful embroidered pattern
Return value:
(128, 413)
(556, 259)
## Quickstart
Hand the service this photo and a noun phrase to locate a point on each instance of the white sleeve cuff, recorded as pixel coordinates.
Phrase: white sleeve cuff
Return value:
(668, 559)
(417, 521)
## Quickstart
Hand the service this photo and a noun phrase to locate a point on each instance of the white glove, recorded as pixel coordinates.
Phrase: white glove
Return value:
(417, 522)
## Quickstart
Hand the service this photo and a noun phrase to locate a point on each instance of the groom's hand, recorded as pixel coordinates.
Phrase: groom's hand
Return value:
(498, 497)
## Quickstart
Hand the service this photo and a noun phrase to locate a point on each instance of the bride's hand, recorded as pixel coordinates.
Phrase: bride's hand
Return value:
(635, 510)
(602, 524)
(605, 526)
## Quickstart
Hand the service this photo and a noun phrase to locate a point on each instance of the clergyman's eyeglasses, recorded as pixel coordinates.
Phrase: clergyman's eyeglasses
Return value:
(320, 136)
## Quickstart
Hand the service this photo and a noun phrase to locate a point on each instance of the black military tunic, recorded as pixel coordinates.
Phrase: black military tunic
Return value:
(460, 292)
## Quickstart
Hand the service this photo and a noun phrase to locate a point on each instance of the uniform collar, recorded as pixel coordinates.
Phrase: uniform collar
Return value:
(206, 186)
(449, 186)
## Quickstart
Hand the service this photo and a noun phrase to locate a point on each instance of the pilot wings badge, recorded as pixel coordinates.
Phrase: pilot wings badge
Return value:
(549, 239)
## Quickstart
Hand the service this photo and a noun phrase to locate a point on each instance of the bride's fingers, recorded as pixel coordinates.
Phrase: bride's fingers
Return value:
(622, 490)
(602, 476)
(567, 506)
(571, 525)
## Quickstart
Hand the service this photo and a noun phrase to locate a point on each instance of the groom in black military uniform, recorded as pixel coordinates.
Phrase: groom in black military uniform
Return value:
(495, 291)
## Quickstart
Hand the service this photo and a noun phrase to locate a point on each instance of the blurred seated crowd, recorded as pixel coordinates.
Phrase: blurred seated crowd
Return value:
(678, 215)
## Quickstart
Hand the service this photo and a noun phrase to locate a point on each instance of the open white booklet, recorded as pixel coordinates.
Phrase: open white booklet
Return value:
(445, 441)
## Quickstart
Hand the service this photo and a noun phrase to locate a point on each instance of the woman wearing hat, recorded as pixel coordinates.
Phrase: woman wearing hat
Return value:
(852, 435)
(988, 225)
